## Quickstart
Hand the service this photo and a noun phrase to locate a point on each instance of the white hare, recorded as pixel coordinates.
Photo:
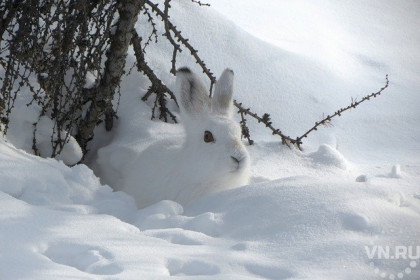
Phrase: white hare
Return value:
(210, 158)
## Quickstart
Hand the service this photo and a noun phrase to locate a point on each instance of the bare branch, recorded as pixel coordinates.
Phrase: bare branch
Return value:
(176, 47)
(185, 43)
(200, 3)
(157, 86)
(265, 119)
(114, 67)
(245, 129)
(326, 120)
(154, 30)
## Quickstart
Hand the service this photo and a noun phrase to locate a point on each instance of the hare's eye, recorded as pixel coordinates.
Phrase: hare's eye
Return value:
(208, 137)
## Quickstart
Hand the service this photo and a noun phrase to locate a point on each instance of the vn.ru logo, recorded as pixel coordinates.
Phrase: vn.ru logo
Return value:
(407, 254)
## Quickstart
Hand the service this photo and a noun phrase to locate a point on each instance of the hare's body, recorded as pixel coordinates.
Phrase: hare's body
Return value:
(208, 158)
(171, 173)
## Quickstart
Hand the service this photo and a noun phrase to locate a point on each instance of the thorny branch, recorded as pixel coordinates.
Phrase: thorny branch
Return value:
(154, 29)
(297, 142)
(184, 42)
(49, 40)
(102, 105)
(244, 128)
(353, 105)
(265, 119)
(200, 3)
(157, 86)
(168, 35)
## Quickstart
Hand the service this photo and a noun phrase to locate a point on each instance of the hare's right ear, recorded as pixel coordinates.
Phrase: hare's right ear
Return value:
(223, 94)
(192, 93)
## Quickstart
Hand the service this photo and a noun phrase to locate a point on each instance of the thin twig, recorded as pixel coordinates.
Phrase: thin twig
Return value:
(297, 142)
(154, 30)
(176, 47)
(352, 105)
(157, 85)
(265, 120)
(185, 43)
(142, 66)
(245, 129)
(200, 3)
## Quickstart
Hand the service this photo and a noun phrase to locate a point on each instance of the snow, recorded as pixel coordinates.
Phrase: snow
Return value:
(20, 132)
(310, 226)
(311, 214)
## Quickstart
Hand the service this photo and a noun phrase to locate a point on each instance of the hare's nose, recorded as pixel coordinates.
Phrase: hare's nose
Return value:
(235, 159)
(238, 162)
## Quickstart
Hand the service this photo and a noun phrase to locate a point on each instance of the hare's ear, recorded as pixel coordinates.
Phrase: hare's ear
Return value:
(191, 93)
(223, 92)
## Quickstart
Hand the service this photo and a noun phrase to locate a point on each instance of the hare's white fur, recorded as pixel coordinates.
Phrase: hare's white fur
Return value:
(183, 170)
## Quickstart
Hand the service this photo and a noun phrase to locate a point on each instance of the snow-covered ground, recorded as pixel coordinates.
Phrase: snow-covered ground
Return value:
(325, 213)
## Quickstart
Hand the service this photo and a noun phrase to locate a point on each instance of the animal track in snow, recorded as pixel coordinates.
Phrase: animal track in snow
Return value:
(181, 236)
(208, 223)
(192, 268)
(269, 272)
(354, 222)
(168, 214)
(93, 260)
(328, 156)
(240, 246)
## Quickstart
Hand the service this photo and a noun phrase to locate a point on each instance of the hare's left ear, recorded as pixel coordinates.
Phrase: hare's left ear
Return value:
(223, 92)
(192, 93)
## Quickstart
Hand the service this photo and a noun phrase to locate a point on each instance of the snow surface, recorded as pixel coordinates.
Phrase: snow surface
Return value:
(20, 132)
(305, 215)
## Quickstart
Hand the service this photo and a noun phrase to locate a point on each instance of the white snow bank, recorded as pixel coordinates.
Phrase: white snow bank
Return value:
(21, 131)
(52, 224)
(327, 155)
(50, 183)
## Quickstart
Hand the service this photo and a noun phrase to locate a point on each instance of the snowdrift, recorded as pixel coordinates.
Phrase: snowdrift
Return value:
(58, 221)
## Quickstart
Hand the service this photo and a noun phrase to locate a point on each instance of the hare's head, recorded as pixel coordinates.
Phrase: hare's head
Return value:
(212, 133)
